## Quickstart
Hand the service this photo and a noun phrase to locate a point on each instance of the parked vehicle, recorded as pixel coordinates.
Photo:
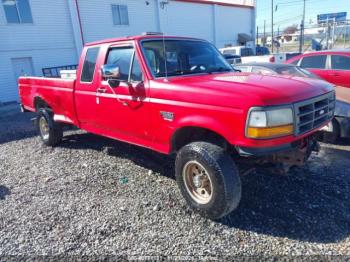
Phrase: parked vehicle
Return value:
(233, 59)
(242, 51)
(261, 50)
(272, 58)
(179, 96)
(275, 69)
(340, 125)
(331, 65)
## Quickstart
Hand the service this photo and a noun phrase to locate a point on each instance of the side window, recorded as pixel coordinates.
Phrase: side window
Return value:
(121, 57)
(17, 11)
(88, 71)
(340, 62)
(317, 62)
(136, 72)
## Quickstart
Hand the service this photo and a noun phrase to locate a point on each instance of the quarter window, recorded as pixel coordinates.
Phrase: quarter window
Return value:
(340, 62)
(88, 71)
(17, 11)
(120, 15)
(121, 57)
(295, 62)
(317, 62)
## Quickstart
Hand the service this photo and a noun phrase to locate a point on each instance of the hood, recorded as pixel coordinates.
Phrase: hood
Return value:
(262, 89)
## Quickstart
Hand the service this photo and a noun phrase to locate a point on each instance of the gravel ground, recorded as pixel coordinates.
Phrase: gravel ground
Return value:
(94, 196)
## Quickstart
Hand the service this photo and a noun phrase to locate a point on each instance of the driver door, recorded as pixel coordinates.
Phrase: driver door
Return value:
(123, 108)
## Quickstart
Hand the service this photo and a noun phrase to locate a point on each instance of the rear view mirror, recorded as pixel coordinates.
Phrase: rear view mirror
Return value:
(110, 72)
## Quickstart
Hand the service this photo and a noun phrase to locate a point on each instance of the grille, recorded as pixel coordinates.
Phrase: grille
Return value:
(314, 112)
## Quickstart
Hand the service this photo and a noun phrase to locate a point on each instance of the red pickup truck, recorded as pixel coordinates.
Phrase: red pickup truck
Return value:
(179, 95)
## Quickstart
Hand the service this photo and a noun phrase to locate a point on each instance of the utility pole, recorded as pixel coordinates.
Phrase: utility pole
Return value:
(333, 34)
(257, 35)
(264, 41)
(272, 10)
(328, 34)
(302, 27)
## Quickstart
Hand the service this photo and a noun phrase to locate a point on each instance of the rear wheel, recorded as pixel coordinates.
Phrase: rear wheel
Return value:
(50, 132)
(208, 179)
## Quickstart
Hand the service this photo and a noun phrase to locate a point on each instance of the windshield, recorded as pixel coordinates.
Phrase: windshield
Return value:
(183, 57)
(294, 71)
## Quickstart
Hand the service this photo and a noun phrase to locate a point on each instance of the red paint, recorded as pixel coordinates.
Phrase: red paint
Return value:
(337, 77)
(218, 102)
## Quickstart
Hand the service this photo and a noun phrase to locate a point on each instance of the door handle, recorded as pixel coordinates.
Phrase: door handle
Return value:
(101, 90)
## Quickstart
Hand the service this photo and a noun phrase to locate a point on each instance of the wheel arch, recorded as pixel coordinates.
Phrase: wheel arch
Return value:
(195, 133)
(39, 102)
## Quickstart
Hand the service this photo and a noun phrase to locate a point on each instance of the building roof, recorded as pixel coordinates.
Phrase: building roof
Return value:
(235, 3)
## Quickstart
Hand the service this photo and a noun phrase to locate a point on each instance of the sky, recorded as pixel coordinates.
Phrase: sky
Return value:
(290, 12)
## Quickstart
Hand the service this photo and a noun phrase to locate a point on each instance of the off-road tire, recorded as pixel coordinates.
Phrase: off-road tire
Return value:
(55, 131)
(223, 174)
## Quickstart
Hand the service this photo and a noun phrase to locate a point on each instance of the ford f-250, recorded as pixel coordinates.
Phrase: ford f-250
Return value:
(179, 95)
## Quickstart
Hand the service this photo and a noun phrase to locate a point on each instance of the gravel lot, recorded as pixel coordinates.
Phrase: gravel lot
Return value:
(96, 196)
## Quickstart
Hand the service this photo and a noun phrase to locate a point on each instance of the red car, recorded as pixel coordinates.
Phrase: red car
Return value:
(333, 66)
(179, 96)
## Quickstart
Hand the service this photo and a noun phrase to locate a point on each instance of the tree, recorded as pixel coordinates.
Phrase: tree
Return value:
(290, 29)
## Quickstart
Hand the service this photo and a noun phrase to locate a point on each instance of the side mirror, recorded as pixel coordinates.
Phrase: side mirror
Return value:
(110, 72)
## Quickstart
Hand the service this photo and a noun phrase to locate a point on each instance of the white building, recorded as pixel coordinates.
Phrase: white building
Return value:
(37, 34)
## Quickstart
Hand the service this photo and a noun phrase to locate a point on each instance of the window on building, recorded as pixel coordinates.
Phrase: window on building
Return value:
(87, 74)
(120, 15)
(17, 11)
(340, 62)
(317, 62)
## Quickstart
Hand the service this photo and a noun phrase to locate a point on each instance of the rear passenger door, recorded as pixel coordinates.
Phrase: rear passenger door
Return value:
(340, 70)
(316, 64)
(85, 91)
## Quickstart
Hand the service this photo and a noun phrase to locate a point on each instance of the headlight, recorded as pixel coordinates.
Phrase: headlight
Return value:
(270, 123)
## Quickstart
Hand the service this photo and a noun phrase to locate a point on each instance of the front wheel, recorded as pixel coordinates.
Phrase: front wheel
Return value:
(50, 131)
(208, 179)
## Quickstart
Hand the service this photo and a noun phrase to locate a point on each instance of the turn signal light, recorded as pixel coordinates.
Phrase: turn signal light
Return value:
(270, 132)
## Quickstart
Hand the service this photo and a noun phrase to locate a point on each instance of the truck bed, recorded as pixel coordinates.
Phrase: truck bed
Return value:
(56, 92)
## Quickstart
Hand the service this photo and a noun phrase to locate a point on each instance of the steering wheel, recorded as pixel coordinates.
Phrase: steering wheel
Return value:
(198, 68)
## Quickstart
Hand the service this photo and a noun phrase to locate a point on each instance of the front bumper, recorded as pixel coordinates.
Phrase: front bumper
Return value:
(307, 142)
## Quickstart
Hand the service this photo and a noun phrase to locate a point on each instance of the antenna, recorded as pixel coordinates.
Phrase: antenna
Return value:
(163, 6)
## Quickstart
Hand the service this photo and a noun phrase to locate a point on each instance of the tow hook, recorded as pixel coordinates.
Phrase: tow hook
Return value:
(312, 146)
(315, 146)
